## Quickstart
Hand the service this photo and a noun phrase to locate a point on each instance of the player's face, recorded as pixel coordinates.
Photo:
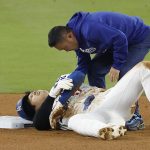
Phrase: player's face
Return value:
(68, 43)
(36, 98)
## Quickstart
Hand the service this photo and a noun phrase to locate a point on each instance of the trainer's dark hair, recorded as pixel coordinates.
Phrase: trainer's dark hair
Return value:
(55, 34)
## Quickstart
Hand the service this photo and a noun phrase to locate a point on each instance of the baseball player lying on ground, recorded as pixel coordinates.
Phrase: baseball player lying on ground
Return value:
(106, 120)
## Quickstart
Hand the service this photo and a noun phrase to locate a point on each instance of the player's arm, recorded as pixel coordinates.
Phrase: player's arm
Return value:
(60, 107)
(41, 118)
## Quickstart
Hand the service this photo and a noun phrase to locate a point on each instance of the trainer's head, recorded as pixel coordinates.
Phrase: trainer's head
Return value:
(62, 38)
(30, 103)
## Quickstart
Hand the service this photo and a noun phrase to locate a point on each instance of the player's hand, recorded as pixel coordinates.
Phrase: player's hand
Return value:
(57, 112)
(62, 77)
(114, 74)
(63, 84)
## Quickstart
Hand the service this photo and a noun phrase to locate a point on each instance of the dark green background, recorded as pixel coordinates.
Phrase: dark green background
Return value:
(26, 61)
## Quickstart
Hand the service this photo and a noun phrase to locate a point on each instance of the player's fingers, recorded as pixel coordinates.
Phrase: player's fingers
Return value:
(68, 79)
(70, 85)
(110, 77)
(116, 76)
(66, 86)
(113, 78)
(67, 83)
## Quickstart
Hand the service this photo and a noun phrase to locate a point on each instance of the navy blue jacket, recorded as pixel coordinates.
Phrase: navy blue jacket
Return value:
(101, 32)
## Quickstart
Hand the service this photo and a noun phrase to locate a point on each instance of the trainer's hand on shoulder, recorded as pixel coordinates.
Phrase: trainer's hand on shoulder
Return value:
(63, 84)
(114, 74)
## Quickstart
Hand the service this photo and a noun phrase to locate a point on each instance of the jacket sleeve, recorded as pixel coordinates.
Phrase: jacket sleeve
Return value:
(83, 61)
(109, 37)
(77, 76)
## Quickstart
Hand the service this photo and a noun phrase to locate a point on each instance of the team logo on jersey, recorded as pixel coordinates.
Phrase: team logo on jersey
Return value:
(88, 102)
(88, 50)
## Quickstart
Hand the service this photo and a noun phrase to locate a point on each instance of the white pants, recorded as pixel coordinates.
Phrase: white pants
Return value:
(114, 110)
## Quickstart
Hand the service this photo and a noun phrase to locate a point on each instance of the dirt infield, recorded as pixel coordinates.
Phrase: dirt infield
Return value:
(30, 139)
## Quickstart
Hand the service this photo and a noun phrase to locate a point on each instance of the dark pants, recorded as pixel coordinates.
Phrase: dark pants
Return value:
(101, 64)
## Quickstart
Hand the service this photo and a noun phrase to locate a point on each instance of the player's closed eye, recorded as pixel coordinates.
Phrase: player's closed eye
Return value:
(38, 92)
(30, 96)
(35, 93)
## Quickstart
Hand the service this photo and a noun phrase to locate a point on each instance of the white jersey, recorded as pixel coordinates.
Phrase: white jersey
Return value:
(115, 104)
(87, 100)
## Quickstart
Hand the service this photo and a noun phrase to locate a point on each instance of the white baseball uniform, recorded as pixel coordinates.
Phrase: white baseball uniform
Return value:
(115, 106)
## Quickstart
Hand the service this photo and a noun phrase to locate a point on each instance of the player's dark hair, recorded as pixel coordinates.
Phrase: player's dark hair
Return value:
(28, 108)
(41, 118)
(55, 34)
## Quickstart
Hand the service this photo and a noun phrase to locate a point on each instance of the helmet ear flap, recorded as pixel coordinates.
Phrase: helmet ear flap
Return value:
(24, 108)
